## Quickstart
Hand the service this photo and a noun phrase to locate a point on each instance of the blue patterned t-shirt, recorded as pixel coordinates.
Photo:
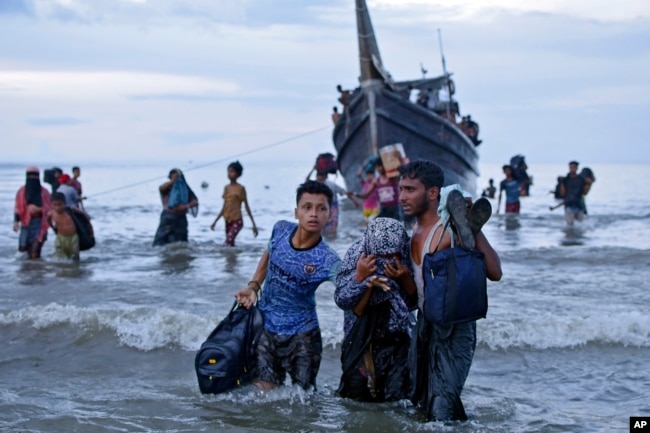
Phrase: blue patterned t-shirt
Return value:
(288, 300)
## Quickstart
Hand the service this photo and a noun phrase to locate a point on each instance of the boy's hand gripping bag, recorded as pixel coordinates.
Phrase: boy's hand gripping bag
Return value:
(226, 359)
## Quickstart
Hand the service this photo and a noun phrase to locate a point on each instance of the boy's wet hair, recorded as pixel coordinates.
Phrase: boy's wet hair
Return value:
(58, 196)
(427, 172)
(314, 187)
(239, 169)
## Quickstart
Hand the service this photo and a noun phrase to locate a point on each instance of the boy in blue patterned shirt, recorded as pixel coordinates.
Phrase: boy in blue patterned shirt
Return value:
(295, 263)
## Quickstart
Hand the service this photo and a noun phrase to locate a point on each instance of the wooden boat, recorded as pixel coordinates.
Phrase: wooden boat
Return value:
(380, 113)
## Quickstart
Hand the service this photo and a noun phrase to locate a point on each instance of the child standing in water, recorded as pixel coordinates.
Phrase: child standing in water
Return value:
(66, 244)
(234, 194)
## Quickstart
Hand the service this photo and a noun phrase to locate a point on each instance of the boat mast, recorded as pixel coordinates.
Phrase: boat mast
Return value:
(444, 71)
(367, 44)
(370, 64)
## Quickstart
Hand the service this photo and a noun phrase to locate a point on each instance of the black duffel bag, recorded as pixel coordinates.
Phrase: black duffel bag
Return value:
(226, 359)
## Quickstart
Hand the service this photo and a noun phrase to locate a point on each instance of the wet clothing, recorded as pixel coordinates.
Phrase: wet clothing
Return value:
(440, 359)
(29, 239)
(574, 205)
(574, 187)
(173, 225)
(513, 207)
(288, 300)
(291, 341)
(33, 228)
(374, 360)
(512, 190)
(299, 355)
(172, 228)
(67, 246)
(232, 230)
(375, 347)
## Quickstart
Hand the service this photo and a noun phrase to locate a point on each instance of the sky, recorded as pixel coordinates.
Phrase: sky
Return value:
(85, 81)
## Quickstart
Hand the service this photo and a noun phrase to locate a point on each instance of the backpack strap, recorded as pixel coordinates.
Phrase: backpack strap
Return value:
(442, 234)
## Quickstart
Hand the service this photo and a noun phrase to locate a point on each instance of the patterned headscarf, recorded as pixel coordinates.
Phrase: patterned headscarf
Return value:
(382, 236)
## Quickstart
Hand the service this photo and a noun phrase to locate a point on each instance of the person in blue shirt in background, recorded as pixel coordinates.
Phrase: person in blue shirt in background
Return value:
(296, 261)
(511, 187)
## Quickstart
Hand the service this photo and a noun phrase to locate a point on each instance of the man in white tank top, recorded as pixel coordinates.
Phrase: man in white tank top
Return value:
(441, 356)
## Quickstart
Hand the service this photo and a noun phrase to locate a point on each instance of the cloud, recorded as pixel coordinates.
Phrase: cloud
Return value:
(601, 10)
(181, 138)
(216, 77)
(55, 121)
(97, 85)
(18, 7)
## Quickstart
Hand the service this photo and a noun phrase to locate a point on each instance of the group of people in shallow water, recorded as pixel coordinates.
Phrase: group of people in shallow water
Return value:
(387, 353)
(571, 191)
(36, 210)
(178, 200)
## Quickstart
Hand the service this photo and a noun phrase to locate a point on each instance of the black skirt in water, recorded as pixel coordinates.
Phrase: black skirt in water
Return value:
(375, 361)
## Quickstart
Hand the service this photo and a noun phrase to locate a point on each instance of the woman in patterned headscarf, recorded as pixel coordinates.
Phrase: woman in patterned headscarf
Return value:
(376, 290)
(178, 199)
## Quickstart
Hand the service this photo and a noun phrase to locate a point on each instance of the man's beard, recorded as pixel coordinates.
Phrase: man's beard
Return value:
(420, 207)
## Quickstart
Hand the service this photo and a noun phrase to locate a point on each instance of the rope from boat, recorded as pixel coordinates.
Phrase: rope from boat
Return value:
(217, 161)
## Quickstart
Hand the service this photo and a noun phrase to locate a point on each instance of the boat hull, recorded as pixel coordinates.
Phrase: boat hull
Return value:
(376, 117)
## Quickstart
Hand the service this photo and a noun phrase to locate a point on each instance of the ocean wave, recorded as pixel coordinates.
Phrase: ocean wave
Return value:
(136, 327)
(550, 331)
(148, 329)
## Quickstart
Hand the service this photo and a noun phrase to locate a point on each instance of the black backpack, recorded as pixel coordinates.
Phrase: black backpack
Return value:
(226, 360)
(84, 228)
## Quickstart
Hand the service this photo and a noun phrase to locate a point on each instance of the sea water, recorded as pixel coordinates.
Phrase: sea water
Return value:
(108, 344)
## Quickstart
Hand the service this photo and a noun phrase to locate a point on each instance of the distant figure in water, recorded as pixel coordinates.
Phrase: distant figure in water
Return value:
(76, 173)
(66, 243)
(511, 187)
(573, 189)
(234, 194)
(490, 191)
(30, 211)
(589, 178)
(177, 199)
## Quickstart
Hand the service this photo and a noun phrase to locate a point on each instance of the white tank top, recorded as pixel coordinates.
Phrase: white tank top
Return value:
(417, 268)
